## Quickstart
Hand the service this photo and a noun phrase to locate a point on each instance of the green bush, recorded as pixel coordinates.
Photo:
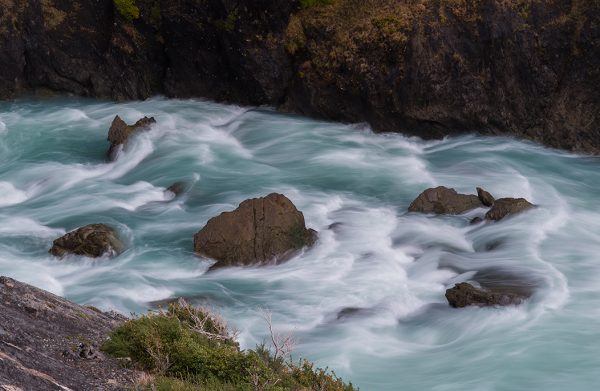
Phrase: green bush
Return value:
(127, 9)
(192, 349)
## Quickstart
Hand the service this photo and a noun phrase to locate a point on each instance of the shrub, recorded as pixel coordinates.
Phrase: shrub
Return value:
(312, 3)
(127, 9)
(193, 349)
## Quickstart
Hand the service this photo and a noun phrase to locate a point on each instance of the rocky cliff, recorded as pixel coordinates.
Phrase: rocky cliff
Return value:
(430, 68)
(49, 343)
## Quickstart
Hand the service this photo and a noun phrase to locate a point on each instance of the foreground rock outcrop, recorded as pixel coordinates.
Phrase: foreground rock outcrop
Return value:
(119, 133)
(464, 294)
(260, 230)
(428, 68)
(93, 240)
(442, 200)
(48, 343)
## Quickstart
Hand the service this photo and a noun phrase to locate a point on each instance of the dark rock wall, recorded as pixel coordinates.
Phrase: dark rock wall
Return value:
(423, 67)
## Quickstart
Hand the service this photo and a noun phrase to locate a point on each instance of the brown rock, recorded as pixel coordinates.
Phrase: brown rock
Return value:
(464, 294)
(486, 198)
(260, 230)
(442, 200)
(119, 134)
(92, 240)
(507, 206)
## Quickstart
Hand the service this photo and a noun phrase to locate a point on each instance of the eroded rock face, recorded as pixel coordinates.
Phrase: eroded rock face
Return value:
(464, 294)
(442, 200)
(119, 134)
(260, 230)
(507, 206)
(92, 240)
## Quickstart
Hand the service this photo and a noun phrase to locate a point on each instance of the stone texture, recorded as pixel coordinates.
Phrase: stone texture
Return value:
(507, 206)
(48, 343)
(464, 294)
(442, 200)
(93, 240)
(260, 230)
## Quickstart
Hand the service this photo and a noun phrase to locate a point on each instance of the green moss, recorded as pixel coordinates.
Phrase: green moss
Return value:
(127, 9)
(228, 24)
(192, 349)
(312, 3)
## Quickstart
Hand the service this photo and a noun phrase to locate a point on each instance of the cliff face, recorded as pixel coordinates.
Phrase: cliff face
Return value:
(424, 67)
(49, 343)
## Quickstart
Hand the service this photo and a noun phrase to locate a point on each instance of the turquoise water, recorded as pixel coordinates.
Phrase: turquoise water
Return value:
(354, 188)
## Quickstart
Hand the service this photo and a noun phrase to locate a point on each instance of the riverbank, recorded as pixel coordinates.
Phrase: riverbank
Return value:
(428, 68)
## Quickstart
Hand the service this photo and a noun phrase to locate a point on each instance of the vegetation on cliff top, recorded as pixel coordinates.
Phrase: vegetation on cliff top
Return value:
(128, 9)
(188, 348)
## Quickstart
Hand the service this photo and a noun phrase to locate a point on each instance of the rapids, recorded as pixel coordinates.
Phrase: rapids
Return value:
(388, 269)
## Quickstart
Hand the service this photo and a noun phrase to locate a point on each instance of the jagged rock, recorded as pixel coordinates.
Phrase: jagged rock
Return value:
(464, 294)
(442, 200)
(260, 230)
(49, 343)
(93, 240)
(486, 198)
(507, 206)
(119, 134)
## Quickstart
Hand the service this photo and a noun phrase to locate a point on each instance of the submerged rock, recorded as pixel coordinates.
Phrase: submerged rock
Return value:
(464, 294)
(507, 206)
(119, 134)
(486, 198)
(260, 230)
(93, 240)
(442, 200)
(177, 188)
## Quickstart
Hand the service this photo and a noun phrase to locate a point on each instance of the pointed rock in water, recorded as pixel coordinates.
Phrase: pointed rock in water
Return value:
(119, 134)
(464, 294)
(93, 240)
(486, 198)
(177, 188)
(507, 206)
(259, 231)
(442, 200)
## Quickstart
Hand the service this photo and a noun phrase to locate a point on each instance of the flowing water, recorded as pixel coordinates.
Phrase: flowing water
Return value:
(388, 269)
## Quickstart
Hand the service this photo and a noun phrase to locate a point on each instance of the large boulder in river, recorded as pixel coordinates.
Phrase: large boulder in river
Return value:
(442, 200)
(119, 134)
(93, 240)
(260, 230)
(507, 206)
(465, 294)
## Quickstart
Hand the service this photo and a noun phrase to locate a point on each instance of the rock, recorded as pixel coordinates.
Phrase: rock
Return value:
(260, 230)
(486, 198)
(92, 240)
(464, 294)
(475, 220)
(442, 200)
(507, 206)
(55, 347)
(119, 134)
(177, 188)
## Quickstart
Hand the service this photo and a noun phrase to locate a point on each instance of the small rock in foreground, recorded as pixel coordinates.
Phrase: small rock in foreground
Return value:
(93, 240)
